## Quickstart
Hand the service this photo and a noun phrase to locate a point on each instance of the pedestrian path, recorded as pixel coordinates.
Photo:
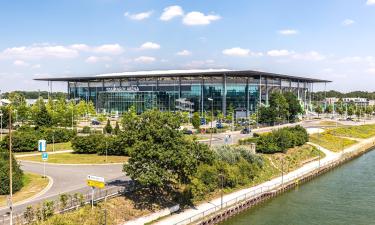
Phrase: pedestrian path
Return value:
(39, 153)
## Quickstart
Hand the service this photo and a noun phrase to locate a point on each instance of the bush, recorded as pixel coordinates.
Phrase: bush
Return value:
(86, 130)
(4, 174)
(87, 144)
(22, 141)
(58, 135)
(115, 145)
(282, 139)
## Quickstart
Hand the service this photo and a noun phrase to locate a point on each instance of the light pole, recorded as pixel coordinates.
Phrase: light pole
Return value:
(221, 175)
(212, 118)
(10, 167)
(1, 125)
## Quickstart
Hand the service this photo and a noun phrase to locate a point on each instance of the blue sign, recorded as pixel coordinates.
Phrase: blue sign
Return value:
(42, 145)
(44, 156)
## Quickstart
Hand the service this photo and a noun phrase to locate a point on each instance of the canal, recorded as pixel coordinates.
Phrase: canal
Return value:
(345, 195)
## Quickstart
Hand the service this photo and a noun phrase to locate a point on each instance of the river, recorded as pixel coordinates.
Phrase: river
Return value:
(345, 195)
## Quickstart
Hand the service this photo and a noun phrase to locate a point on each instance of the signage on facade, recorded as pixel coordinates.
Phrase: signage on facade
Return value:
(119, 89)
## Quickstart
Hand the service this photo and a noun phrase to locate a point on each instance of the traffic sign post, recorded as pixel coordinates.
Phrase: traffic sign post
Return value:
(95, 182)
(44, 158)
(42, 145)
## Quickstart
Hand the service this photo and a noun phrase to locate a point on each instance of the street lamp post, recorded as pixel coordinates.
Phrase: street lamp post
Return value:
(10, 168)
(222, 188)
(1, 125)
(212, 117)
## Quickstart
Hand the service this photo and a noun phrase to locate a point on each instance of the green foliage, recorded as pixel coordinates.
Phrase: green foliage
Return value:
(162, 156)
(43, 118)
(29, 214)
(63, 201)
(232, 167)
(282, 139)
(4, 173)
(108, 127)
(196, 120)
(48, 209)
(116, 131)
(294, 107)
(86, 130)
(87, 144)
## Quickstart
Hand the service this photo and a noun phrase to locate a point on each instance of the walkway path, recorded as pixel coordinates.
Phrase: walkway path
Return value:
(185, 215)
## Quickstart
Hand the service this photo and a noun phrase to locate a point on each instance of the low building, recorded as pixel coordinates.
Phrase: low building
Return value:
(172, 89)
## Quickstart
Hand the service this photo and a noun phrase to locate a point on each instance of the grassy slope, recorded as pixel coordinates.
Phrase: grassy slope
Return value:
(363, 131)
(331, 142)
(33, 184)
(71, 158)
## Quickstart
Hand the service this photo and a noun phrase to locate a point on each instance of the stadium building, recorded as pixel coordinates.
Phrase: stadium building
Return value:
(186, 90)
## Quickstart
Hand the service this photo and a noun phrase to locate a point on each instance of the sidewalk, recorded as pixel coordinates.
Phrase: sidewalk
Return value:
(49, 153)
(199, 209)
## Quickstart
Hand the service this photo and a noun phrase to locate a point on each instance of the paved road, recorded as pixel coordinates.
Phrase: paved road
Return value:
(69, 178)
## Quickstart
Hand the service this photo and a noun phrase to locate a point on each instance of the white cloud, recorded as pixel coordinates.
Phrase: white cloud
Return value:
(80, 47)
(138, 16)
(145, 59)
(197, 18)
(150, 45)
(351, 59)
(171, 12)
(20, 63)
(370, 2)
(95, 59)
(39, 51)
(348, 22)
(199, 64)
(184, 53)
(36, 66)
(309, 56)
(288, 32)
(113, 49)
(237, 51)
(278, 53)
(370, 70)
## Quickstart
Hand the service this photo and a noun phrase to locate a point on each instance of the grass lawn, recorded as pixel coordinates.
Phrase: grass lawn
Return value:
(329, 123)
(295, 157)
(72, 158)
(331, 142)
(33, 184)
(58, 147)
(363, 131)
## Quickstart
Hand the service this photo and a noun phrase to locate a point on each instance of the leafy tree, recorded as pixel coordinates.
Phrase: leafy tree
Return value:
(43, 118)
(351, 110)
(116, 131)
(4, 173)
(294, 106)
(5, 112)
(108, 127)
(279, 105)
(196, 120)
(369, 110)
(162, 155)
(129, 119)
(329, 109)
(318, 109)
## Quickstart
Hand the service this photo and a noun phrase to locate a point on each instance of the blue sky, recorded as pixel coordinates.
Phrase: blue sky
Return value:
(330, 39)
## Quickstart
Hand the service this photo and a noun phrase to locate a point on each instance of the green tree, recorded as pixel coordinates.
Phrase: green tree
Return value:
(294, 106)
(350, 110)
(318, 109)
(162, 156)
(196, 120)
(108, 127)
(329, 109)
(43, 118)
(116, 131)
(4, 173)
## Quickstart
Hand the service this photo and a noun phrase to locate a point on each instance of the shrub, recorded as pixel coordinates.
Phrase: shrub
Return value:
(86, 130)
(22, 141)
(282, 139)
(58, 135)
(87, 144)
(4, 174)
(115, 145)
(108, 128)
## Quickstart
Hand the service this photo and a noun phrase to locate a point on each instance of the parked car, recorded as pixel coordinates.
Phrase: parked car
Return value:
(189, 132)
(95, 122)
(219, 125)
(246, 131)
(349, 119)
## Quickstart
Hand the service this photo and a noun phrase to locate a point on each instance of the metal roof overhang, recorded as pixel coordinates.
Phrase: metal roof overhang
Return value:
(244, 73)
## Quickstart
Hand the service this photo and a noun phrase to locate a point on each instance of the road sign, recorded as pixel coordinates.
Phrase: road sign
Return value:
(94, 181)
(44, 156)
(42, 145)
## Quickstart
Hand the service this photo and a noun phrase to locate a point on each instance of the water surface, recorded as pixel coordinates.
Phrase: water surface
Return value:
(345, 195)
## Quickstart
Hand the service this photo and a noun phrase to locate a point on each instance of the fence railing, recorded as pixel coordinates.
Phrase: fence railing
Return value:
(73, 201)
(256, 192)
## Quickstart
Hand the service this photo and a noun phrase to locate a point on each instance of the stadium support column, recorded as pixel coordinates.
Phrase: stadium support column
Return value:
(224, 106)
(260, 91)
(247, 98)
(267, 92)
(202, 96)
(69, 91)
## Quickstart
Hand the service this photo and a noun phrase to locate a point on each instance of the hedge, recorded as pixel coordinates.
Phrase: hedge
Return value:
(26, 139)
(87, 144)
(4, 174)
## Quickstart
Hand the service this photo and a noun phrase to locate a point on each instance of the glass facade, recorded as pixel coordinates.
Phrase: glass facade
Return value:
(239, 93)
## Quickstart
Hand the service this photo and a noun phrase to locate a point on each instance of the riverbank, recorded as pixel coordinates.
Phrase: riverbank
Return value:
(205, 211)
